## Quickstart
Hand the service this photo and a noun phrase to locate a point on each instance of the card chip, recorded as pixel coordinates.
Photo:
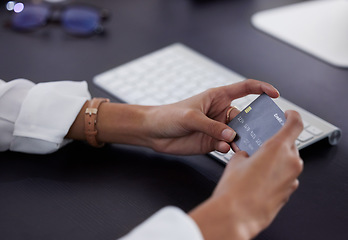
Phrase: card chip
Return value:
(257, 123)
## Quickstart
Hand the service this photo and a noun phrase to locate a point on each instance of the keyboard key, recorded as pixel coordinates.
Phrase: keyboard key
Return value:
(305, 136)
(228, 155)
(314, 130)
(149, 102)
(305, 124)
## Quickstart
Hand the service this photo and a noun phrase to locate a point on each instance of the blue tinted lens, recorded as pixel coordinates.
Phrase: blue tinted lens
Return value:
(32, 16)
(80, 20)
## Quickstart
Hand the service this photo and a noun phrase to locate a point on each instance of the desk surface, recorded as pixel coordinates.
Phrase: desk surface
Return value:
(60, 196)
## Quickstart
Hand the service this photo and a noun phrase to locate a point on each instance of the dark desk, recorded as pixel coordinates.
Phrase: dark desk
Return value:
(62, 196)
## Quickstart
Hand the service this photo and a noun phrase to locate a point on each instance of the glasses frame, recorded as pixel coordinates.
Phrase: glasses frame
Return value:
(55, 17)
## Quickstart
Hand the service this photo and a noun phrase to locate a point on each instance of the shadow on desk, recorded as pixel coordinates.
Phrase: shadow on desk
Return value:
(81, 192)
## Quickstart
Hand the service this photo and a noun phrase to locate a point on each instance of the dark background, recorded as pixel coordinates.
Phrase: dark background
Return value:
(84, 193)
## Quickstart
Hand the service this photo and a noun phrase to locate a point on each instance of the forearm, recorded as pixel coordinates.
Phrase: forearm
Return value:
(116, 123)
(216, 220)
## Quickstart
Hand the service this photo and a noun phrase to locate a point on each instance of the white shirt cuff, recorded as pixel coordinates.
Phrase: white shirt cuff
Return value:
(169, 223)
(47, 114)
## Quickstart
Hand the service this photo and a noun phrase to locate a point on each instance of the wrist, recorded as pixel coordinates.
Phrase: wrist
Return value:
(116, 123)
(91, 116)
(217, 218)
(162, 126)
(123, 123)
(153, 119)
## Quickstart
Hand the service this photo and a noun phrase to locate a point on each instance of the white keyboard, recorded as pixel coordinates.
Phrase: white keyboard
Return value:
(177, 72)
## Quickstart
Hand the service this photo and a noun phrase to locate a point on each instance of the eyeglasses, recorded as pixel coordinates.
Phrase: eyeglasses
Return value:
(79, 20)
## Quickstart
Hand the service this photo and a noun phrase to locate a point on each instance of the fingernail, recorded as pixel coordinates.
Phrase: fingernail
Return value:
(277, 92)
(271, 88)
(228, 135)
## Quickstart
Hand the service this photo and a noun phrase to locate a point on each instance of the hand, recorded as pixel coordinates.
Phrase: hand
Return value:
(198, 125)
(253, 189)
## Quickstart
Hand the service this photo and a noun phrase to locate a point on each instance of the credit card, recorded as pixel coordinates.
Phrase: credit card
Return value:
(257, 123)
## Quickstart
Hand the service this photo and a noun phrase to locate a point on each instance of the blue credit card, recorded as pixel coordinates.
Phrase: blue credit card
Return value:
(257, 123)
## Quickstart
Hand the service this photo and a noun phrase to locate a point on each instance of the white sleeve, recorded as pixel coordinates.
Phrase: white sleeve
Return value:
(169, 223)
(37, 117)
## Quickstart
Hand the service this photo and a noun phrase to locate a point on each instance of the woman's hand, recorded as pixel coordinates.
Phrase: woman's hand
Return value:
(198, 125)
(253, 189)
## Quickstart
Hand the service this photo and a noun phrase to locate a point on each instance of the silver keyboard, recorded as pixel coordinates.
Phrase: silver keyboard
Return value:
(176, 72)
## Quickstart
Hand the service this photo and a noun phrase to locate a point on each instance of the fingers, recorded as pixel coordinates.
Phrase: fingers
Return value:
(199, 122)
(295, 184)
(290, 190)
(251, 86)
(234, 147)
(232, 112)
(239, 156)
(222, 146)
(292, 128)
